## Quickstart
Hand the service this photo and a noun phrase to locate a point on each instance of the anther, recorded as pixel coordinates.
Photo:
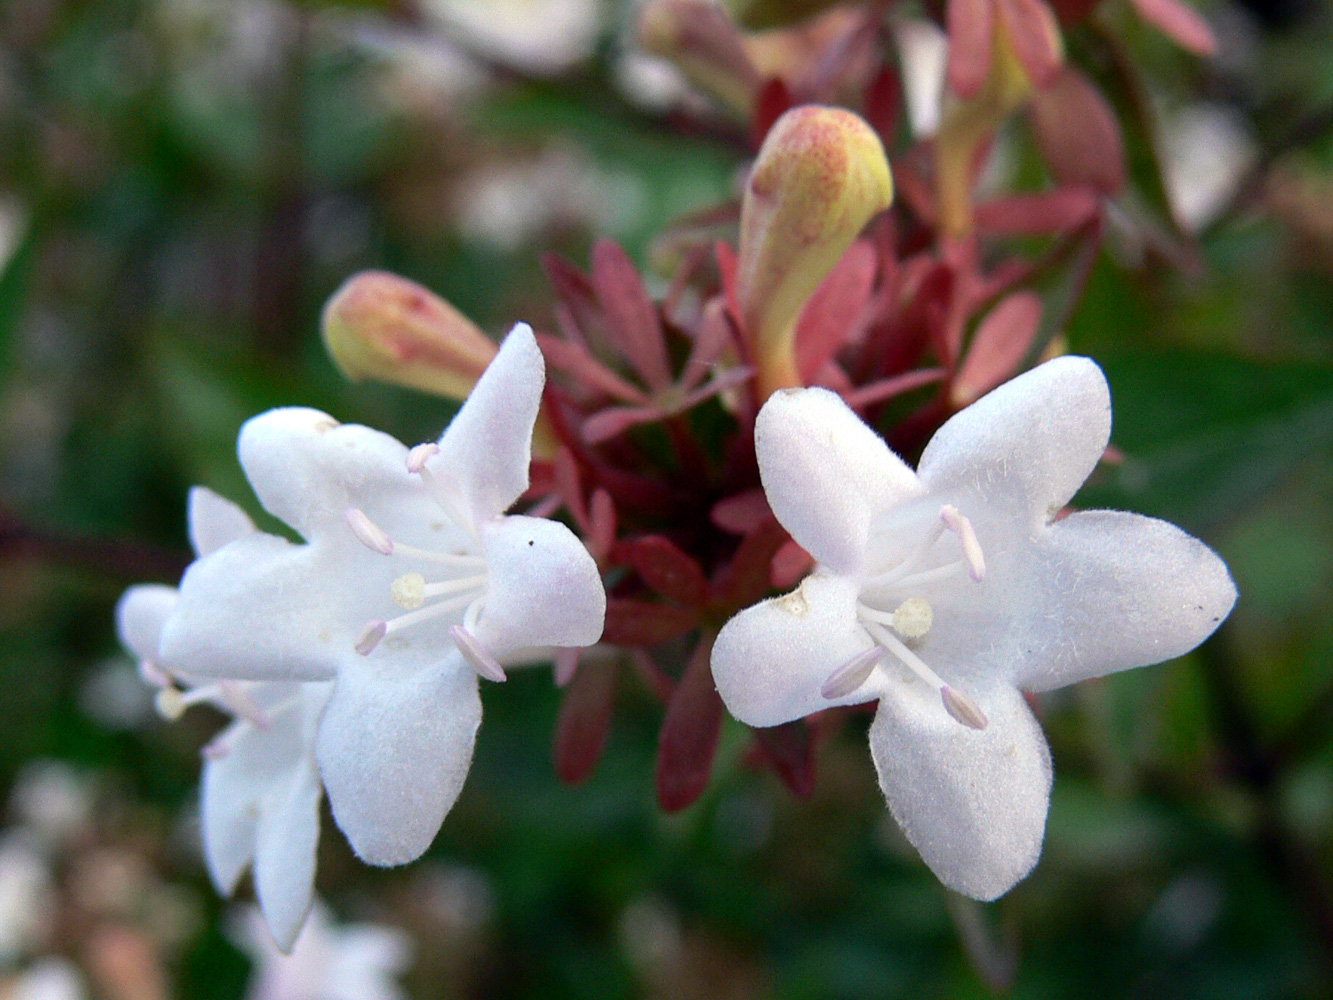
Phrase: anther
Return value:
(852, 674)
(963, 708)
(420, 455)
(962, 527)
(370, 637)
(170, 703)
(913, 618)
(481, 661)
(409, 591)
(367, 532)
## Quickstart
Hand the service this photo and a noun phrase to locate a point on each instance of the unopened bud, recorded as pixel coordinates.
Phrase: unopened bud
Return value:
(383, 327)
(703, 43)
(821, 175)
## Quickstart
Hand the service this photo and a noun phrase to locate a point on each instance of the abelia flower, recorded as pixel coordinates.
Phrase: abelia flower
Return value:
(261, 786)
(329, 962)
(945, 593)
(411, 581)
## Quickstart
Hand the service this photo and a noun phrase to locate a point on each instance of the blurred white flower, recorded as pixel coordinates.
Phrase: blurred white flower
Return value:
(541, 36)
(1207, 151)
(27, 899)
(923, 54)
(52, 801)
(507, 204)
(47, 978)
(329, 961)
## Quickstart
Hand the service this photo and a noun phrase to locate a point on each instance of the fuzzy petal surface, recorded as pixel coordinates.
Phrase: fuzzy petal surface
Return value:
(140, 614)
(1028, 445)
(972, 802)
(770, 661)
(485, 452)
(263, 608)
(1115, 591)
(286, 842)
(544, 587)
(215, 521)
(827, 474)
(307, 469)
(394, 748)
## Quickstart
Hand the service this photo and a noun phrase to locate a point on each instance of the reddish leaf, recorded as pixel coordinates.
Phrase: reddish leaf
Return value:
(790, 751)
(970, 28)
(831, 313)
(573, 289)
(659, 682)
(690, 730)
(631, 622)
(585, 719)
(1001, 342)
(773, 101)
(726, 266)
(631, 315)
(671, 572)
(566, 482)
(616, 420)
(602, 524)
(1078, 133)
(1042, 214)
(1179, 21)
(883, 103)
(1035, 37)
(878, 392)
(789, 564)
(741, 513)
(578, 363)
(746, 578)
(710, 341)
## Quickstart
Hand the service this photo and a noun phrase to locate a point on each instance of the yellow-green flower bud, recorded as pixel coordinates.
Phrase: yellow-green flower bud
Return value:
(382, 327)
(821, 175)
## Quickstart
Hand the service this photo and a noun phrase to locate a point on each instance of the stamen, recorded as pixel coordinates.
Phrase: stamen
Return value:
(962, 527)
(170, 703)
(370, 637)
(959, 706)
(235, 698)
(153, 675)
(367, 532)
(216, 748)
(913, 618)
(447, 500)
(409, 591)
(420, 455)
(895, 573)
(443, 558)
(963, 708)
(476, 655)
(852, 674)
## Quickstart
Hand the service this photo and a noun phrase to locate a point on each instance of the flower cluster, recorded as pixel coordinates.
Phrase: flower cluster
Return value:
(710, 449)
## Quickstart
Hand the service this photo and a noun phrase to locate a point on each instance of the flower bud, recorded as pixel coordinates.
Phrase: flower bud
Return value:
(383, 327)
(820, 176)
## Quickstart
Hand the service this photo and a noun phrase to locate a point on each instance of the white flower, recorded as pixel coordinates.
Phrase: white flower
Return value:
(261, 787)
(945, 593)
(48, 978)
(411, 581)
(329, 962)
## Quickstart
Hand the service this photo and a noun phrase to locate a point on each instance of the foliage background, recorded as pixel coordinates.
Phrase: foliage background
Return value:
(183, 184)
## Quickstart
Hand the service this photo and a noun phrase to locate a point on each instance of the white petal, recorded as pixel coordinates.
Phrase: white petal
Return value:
(307, 469)
(140, 615)
(485, 452)
(827, 474)
(1118, 590)
(1031, 442)
(544, 588)
(972, 802)
(215, 521)
(770, 661)
(285, 846)
(365, 958)
(394, 749)
(232, 787)
(264, 608)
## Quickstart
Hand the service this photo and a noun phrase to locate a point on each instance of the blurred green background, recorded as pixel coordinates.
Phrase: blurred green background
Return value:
(184, 182)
